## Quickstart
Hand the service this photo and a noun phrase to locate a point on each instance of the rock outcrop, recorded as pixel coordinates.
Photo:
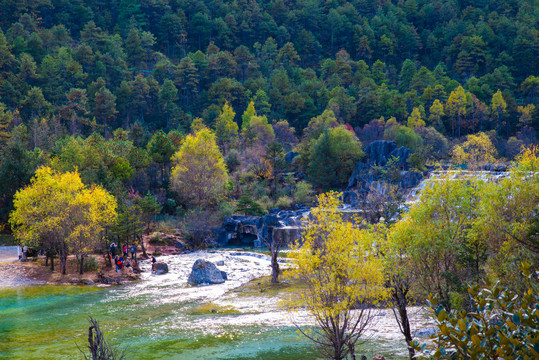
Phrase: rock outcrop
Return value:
(290, 156)
(205, 272)
(279, 225)
(378, 152)
(364, 180)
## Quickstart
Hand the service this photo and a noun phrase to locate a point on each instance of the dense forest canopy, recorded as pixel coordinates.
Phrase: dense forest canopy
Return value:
(364, 59)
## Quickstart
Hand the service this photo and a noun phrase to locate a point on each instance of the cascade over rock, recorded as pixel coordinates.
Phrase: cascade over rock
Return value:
(243, 230)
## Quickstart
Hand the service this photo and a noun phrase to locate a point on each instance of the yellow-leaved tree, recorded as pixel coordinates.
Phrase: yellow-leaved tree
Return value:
(415, 120)
(343, 276)
(199, 175)
(476, 151)
(226, 128)
(60, 213)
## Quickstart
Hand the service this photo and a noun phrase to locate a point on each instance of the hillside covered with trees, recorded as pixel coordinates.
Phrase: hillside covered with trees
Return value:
(112, 88)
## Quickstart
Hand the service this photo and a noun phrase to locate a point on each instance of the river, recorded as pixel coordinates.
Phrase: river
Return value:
(157, 318)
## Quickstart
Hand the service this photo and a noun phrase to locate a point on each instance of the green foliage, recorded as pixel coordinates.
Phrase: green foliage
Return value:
(284, 202)
(333, 157)
(58, 210)
(500, 324)
(90, 264)
(343, 279)
(303, 194)
(156, 66)
(403, 136)
(248, 206)
(437, 239)
(417, 161)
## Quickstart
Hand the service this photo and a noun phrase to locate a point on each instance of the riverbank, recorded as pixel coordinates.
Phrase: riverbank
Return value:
(15, 273)
(34, 271)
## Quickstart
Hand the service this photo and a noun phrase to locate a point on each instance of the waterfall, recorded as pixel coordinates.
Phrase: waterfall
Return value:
(443, 175)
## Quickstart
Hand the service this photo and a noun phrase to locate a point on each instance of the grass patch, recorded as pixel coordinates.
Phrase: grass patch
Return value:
(264, 286)
(211, 308)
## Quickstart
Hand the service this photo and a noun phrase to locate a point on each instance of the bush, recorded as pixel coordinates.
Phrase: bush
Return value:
(284, 202)
(155, 239)
(501, 324)
(248, 206)
(90, 264)
(417, 161)
(226, 209)
(403, 136)
(232, 161)
(266, 203)
(303, 193)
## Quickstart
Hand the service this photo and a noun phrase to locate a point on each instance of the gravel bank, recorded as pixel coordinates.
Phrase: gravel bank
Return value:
(12, 272)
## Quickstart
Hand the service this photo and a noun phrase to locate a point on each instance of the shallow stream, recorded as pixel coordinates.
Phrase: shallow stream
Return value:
(154, 318)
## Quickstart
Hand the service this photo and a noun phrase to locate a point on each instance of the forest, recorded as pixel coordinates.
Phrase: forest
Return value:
(118, 114)
(111, 88)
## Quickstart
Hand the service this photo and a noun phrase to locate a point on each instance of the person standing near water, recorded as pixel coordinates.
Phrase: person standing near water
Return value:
(133, 251)
(118, 263)
(113, 249)
(125, 250)
(19, 251)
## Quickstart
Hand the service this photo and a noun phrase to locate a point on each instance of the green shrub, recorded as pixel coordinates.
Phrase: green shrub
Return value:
(501, 324)
(303, 193)
(417, 161)
(155, 239)
(248, 206)
(90, 264)
(225, 209)
(284, 202)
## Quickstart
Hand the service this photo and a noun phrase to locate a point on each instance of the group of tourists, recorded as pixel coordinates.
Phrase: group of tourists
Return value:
(121, 260)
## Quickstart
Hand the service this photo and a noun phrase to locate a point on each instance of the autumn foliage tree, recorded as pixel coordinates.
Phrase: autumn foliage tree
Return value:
(343, 278)
(199, 174)
(476, 151)
(60, 212)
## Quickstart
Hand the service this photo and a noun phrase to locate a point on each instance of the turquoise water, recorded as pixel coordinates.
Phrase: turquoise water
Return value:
(48, 322)
(151, 319)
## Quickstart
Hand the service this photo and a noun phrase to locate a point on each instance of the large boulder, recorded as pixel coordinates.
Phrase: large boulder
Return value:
(160, 268)
(205, 272)
(424, 333)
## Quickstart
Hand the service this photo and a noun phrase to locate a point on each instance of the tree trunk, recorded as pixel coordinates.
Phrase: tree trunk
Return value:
(142, 246)
(62, 254)
(399, 292)
(63, 261)
(81, 270)
(275, 270)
